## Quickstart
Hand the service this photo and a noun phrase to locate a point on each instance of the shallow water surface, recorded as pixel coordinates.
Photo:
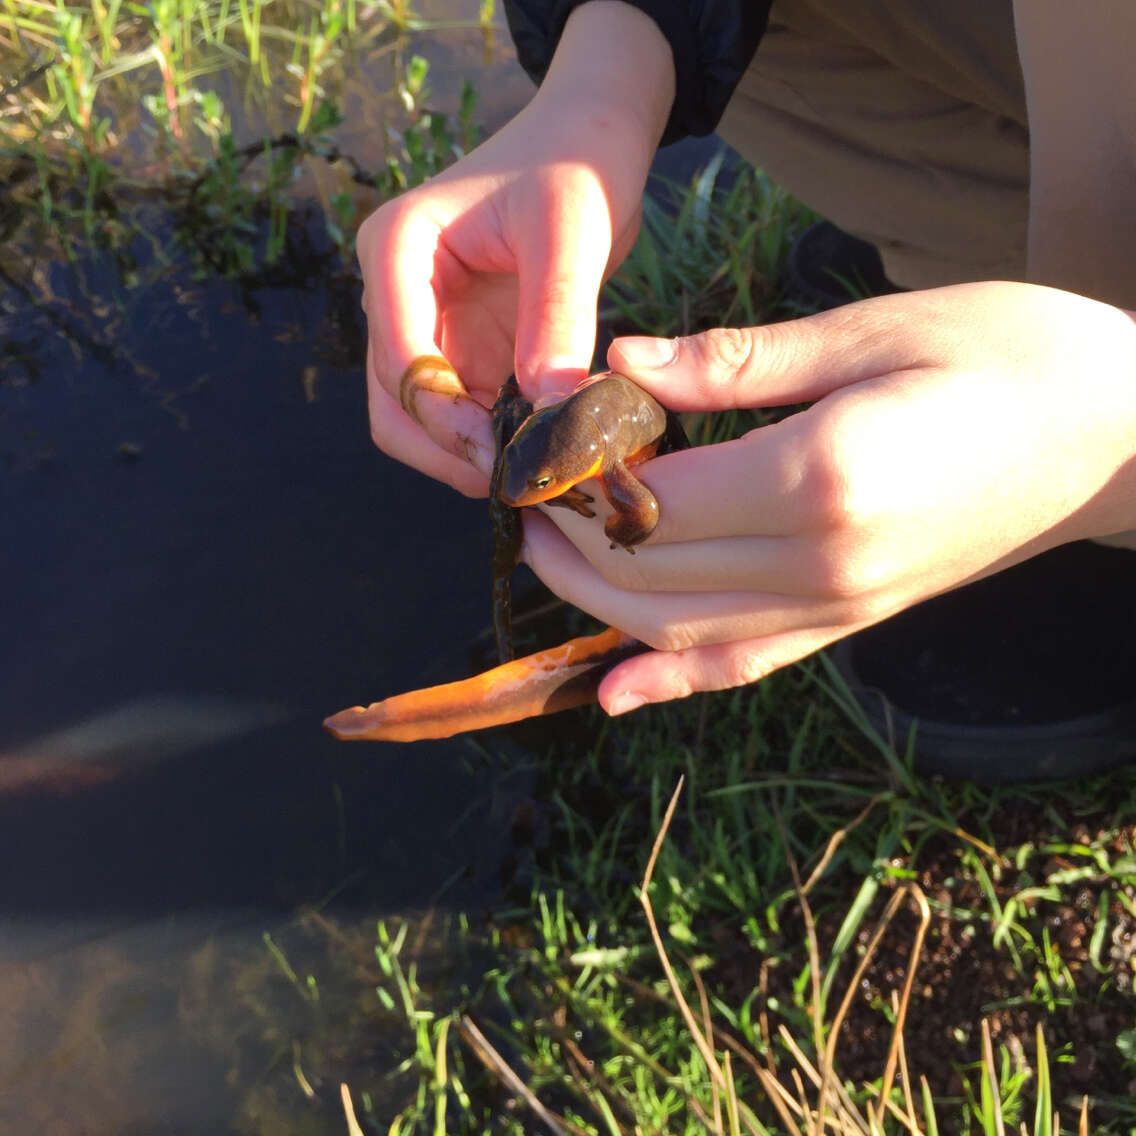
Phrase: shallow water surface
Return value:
(203, 556)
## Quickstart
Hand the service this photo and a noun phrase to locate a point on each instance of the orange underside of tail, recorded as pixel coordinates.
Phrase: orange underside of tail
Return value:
(542, 683)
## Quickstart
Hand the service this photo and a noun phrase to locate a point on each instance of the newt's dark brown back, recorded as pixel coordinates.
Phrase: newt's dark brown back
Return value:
(608, 421)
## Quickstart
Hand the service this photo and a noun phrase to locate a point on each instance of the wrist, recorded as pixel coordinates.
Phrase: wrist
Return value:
(1111, 516)
(614, 66)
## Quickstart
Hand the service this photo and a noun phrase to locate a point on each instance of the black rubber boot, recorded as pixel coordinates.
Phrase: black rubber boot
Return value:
(828, 267)
(1027, 675)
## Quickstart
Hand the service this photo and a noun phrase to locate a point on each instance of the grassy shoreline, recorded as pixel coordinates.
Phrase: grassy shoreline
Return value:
(795, 842)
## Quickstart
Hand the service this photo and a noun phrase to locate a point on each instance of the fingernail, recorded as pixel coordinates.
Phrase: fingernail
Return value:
(625, 701)
(645, 351)
(557, 374)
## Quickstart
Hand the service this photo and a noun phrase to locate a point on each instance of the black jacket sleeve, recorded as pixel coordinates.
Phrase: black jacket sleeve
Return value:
(713, 42)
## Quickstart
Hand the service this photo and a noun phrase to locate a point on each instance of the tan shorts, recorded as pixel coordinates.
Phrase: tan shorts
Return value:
(903, 121)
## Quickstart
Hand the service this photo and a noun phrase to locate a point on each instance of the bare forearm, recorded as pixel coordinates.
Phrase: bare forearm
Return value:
(1084, 240)
(613, 65)
(1082, 112)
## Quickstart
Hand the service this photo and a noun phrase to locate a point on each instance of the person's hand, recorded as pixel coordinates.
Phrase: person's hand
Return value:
(954, 432)
(496, 264)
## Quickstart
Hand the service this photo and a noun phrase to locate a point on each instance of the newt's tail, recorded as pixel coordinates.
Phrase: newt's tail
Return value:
(543, 683)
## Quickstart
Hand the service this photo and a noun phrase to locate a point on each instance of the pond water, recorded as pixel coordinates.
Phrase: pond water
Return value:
(203, 555)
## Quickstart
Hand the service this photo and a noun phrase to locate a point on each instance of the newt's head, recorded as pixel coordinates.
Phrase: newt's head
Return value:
(552, 451)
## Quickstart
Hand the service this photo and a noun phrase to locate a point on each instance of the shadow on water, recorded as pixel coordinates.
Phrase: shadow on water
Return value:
(203, 556)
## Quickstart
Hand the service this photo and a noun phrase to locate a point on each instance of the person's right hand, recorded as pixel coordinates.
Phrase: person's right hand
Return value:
(497, 263)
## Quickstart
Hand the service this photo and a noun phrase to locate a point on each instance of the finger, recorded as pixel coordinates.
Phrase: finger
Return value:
(560, 270)
(467, 460)
(770, 483)
(666, 620)
(660, 676)
(789, 565)
(409, 408)
(799, 360)
(398, 254)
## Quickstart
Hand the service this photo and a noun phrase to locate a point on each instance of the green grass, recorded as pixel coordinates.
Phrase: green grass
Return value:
(709, 254)
(794, 859)
(79, 67)
(805, 868)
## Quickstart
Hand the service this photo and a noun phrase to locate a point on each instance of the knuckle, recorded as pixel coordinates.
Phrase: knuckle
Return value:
(382, 224)
(372, 228)
(366, 232)
(679, 685)
(837, 575)
(618, 568)
(722, 353)
(672, 637)
(749, 667)
(657, 633)
(829, 484)
(855, 589)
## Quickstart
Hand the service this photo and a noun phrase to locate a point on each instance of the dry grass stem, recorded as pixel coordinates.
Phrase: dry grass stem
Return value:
(708, 1027)
(645, 899)
(781, 1100)
(703, 1046)
(814, 1076)
(496, 1064)
(828, 1064)
(924, 908)
(353, 1128)
(834, 842)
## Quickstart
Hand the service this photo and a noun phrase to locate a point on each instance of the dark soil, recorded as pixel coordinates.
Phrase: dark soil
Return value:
(963, 978)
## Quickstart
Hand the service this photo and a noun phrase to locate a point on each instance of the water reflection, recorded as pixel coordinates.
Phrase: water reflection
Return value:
(141, 731)
(204, 555)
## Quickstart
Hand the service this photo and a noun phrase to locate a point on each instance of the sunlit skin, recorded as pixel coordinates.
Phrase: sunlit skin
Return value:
(467, 267)
(954, 432)
(916, 469)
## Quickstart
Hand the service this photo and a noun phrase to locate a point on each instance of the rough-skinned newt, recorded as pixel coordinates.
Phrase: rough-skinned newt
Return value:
(599, 431)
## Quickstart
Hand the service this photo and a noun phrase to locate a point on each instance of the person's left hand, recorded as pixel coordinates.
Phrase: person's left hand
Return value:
(954, 432)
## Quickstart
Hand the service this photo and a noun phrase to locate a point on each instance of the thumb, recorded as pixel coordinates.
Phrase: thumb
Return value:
(797, 361)
(559, 274)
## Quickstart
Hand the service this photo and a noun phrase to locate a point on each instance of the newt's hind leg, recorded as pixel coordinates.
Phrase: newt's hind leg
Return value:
(636, 510)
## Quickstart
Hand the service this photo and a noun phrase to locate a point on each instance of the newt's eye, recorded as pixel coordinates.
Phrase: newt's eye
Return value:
(542, 482)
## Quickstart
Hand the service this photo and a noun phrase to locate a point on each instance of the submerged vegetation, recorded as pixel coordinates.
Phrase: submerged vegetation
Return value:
(105, 104)
(815, 938)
